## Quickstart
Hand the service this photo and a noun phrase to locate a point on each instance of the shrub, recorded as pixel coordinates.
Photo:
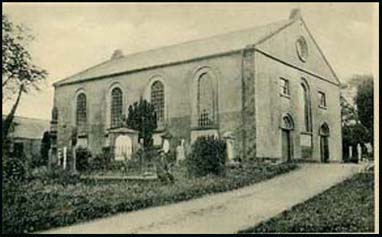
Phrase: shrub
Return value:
(208, 156)
(82, 158)
(98, 162)
(13, 169)
(54, 176)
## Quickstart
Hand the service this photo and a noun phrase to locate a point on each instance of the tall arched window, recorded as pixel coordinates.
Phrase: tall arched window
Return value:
(306, 107)
(205, 100)
(157, 99)
(116, 107)
(81, 116)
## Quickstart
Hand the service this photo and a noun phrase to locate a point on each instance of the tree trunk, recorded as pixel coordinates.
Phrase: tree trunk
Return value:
(9, 119)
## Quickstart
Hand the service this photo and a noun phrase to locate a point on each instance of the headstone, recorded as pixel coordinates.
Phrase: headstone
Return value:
(64, 158)
(359, 152)
(230, 151)
(157, 139)
(180, 155)
(166, 146)
(123, 147)
(229, 139)
(59, 156)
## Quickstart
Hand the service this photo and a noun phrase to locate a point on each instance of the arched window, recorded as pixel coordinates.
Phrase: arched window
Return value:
(306, 107)
(287, 122)
(324, 130)
(157, 99)
(116, 107)
(81, 116)
(205, 101)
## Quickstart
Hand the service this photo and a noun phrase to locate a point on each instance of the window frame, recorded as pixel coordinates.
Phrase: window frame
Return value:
(205, 120)
(286, 86)
(81, 114)
(113, 120)
(160, 94)
(322, 94)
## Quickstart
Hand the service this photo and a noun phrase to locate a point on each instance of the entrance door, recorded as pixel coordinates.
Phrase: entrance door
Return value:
(286, 145)
(123, 148)
(324, 148)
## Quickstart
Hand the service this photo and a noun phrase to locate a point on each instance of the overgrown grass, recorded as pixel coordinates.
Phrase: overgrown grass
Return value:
(39, 205)
(346, 207)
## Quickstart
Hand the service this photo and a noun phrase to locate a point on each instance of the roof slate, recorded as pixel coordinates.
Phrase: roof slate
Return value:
(218, 44)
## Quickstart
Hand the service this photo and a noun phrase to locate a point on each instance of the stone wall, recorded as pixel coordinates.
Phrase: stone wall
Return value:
(271, 106)
(178, 80)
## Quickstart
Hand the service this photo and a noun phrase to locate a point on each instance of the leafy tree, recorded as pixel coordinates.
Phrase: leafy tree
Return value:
(365, 104)
(19, 74)
(352, 135)
(142, 117)
(348, 112)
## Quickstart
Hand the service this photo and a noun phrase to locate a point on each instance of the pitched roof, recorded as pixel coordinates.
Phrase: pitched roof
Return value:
(218, 44)
(29, 127)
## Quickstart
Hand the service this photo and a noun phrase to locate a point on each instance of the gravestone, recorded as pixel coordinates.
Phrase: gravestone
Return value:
(65, 156)
(166, 146)
(123, 147)
(359, 152)
(229, 138)
(180, 151)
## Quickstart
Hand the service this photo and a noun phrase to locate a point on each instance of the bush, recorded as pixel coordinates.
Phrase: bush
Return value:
(207, 157)
(82, 158)
(98, 162)
(54, 176)
(13, 169)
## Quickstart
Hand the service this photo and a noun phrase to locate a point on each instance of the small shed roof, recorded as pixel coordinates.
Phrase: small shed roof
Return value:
(30, 128)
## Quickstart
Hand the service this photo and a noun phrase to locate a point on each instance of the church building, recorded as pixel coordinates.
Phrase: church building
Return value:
(268, 91)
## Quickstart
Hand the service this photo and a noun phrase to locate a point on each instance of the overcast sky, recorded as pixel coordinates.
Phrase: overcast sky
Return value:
(71, 37)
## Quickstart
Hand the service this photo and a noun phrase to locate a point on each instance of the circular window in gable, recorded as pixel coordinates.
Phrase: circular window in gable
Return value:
(302, 49)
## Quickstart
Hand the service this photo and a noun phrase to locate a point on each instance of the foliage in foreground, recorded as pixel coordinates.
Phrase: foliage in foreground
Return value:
(38, 205)
(346, 207)
(207, 157)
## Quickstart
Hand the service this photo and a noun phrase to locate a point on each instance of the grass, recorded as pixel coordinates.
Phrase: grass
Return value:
(346, 207)
(43, 204)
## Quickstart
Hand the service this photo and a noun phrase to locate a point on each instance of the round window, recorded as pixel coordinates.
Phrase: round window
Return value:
(302, 49)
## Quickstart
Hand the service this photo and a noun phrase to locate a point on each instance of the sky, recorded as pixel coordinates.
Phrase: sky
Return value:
(70, 37)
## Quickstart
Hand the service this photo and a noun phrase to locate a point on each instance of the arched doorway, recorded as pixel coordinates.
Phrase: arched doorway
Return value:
(324, 143)
(123, 147)
(286, 138)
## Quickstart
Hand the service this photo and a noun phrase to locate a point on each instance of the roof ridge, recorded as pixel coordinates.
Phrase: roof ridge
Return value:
(206, 38)
(282, 23)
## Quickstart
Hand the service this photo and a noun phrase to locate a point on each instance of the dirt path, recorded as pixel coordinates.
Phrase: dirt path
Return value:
(226, 212)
